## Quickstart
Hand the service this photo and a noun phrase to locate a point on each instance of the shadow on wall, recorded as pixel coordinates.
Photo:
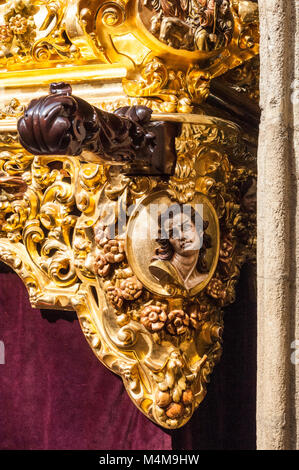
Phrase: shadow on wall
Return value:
(226, 419)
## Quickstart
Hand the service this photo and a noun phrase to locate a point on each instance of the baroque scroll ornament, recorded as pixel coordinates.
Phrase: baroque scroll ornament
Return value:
(147, 256)
(170, 49)
(139, 222)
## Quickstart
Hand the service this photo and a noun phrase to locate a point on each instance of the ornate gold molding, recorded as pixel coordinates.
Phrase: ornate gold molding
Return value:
(42, 35)
(164, 344)
(159, 330)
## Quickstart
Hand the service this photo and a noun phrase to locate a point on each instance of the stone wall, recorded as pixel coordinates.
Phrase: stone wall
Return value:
(278, 232)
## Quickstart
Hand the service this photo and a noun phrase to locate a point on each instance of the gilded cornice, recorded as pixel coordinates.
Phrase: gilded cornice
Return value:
(37, 37)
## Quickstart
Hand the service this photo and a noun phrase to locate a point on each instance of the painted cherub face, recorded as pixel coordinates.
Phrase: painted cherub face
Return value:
(224, 7)
(183, 235)
(249, 199)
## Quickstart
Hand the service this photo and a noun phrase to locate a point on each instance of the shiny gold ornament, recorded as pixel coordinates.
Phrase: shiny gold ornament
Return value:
(156, 323)
(143, 332)
(143, 37)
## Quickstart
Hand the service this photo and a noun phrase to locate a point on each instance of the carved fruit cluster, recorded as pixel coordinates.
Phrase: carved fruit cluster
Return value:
(172, 409)
(19, 27)
(216, 289)
(18, 24)
(199, 314)
(128, 289)
(112, 251)
(155, 318)
(6, 35)
(174, 396)
(113, 294)
(226, 249)
(131, 288)
(178, 322)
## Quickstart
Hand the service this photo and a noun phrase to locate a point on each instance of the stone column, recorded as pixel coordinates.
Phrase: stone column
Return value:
(278, 232)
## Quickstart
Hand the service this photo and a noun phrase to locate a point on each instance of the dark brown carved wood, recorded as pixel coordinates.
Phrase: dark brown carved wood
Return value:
(63, 124)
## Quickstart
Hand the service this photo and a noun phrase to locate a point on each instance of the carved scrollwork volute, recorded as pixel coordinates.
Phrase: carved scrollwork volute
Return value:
(133, 205)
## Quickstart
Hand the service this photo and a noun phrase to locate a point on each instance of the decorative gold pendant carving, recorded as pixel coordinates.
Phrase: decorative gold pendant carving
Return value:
(163, 338)
(88, 237)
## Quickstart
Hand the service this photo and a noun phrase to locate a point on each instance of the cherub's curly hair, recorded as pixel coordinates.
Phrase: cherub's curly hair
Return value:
(165, 250)
(219, 2)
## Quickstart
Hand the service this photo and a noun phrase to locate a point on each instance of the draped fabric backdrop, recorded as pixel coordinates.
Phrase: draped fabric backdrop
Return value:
(55, 394)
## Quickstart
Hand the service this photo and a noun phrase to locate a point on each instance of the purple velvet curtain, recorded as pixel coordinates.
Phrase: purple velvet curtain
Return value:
(55, 394)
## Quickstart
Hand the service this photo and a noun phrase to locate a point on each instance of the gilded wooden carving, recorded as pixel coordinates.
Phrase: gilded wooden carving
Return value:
(126, 206)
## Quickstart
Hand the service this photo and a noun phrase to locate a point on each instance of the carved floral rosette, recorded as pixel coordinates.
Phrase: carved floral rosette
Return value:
(75, 234)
